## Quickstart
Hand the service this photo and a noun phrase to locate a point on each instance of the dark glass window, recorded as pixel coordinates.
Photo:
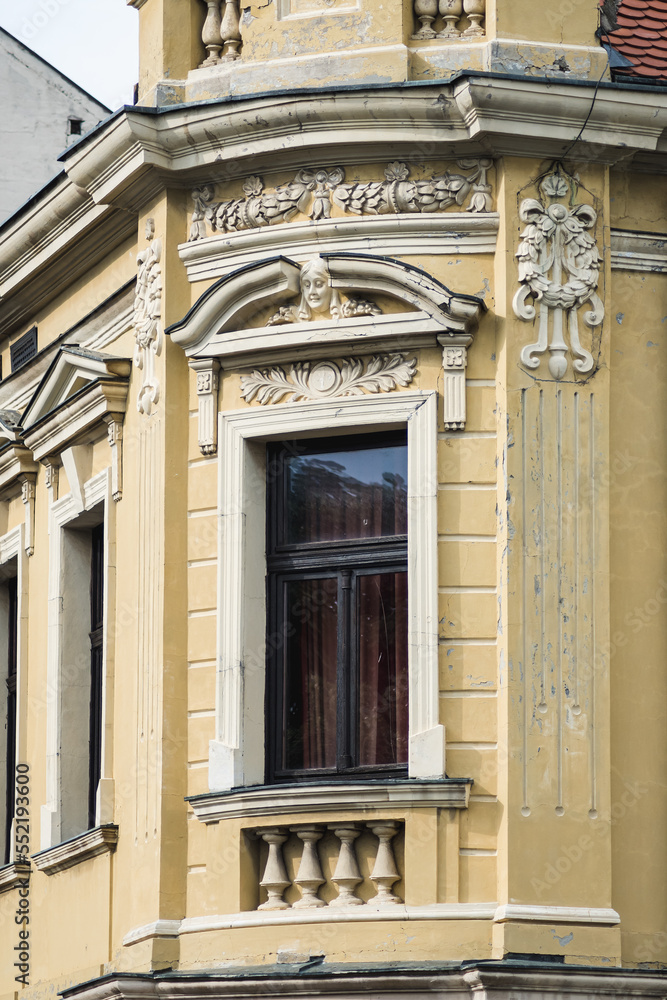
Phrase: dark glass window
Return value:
(337, 690)
(96, 652)
(10, 758)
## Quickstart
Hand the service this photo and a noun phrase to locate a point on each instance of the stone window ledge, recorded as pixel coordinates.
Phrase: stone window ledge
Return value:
(101, 840)
(361, 796)
(14, 875)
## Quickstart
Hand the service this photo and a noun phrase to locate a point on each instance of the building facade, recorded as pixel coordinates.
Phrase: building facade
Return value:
(42, 113)
(332, 574)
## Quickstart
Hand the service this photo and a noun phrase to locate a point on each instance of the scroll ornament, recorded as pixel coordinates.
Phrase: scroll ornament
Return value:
(559, 269)
(326, 379)
(312, 193)
(147, 314)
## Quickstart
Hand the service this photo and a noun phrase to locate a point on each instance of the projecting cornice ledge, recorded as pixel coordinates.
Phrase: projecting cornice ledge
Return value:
(362, 797)
(501, 980)
(125, 158)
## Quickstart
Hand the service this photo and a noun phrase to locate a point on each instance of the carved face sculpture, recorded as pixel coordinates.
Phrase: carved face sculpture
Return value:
(318, 298)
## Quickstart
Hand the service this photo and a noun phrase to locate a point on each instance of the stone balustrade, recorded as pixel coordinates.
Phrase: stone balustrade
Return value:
(346, 884)
(221, 33)
(449, 14)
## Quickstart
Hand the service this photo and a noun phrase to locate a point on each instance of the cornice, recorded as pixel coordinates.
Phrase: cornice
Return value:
(358, 797)
(501, 979)
(494, 115)
(635, 251)
(15, 461)
(101, 840)
(77, 416)
(14, 875)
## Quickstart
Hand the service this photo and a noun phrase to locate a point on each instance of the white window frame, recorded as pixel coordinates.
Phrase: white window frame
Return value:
(62, 514)
(237, 754)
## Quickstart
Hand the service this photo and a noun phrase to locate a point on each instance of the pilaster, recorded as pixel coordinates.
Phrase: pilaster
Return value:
(554, 753)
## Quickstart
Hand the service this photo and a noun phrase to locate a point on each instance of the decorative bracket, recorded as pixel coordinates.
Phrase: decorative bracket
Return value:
(114, 422)
(52, 469)
(454, 363)
(208, 380)
(27, 481)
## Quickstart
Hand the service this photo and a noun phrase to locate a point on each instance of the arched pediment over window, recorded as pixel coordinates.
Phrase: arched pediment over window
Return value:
(278, 310)
(261, 308)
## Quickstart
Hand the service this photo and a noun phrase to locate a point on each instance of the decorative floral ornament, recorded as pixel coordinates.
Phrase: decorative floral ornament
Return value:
(313, 191)
(559, 267)
(326, 379)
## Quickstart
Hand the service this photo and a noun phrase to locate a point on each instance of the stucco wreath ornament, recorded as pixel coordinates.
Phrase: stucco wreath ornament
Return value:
(559, 268)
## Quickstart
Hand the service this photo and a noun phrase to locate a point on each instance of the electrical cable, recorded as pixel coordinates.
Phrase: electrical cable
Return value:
(590, 110)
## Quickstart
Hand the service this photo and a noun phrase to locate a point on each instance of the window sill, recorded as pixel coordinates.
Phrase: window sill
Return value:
(13, 875)
(101, 840)
(362, 796)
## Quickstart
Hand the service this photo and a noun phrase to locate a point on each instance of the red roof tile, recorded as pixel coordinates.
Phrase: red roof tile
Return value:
(641, 37)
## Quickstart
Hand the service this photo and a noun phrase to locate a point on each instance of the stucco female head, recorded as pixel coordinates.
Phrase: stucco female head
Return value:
(318, 298)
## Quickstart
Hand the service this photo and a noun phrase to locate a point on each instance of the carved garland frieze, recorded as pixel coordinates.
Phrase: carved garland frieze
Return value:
(312, 193)
(327, 379)
(559, 270)
(147, 316)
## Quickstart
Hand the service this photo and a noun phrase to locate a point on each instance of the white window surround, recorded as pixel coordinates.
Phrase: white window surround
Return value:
(237, 752)
(62, 514)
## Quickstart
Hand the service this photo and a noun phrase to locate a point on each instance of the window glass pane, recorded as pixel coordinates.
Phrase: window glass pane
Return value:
(344, 494)
(382, 605)
(310, 677)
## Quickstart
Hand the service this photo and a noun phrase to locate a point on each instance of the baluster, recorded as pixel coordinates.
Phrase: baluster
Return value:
(451, 11)
(384, 873)
(275, 879)
(310, 877)
(230, 31)
(211, 33)
(475, 9)
(347, 874)
(425, 11)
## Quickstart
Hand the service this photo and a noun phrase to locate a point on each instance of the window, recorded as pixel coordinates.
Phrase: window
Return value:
(337, 691)
(8, 631)
(96, 665)
(81, 672)
(237, 754)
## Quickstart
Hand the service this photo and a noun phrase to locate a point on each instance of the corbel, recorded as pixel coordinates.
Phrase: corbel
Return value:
(52, 469)
(208, 381)
(454, 363)
(28, 480)
(114, 422)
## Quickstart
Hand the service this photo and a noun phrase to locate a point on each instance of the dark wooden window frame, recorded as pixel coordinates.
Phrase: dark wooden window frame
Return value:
(96, 666)
(346, 561)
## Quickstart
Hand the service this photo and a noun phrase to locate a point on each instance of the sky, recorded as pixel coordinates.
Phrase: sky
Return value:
(94, 42)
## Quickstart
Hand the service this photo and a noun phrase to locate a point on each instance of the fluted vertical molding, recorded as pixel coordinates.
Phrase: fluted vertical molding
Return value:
(384, 873)
(347, 875)
(211, 33)
(275, 879)
(310, 877)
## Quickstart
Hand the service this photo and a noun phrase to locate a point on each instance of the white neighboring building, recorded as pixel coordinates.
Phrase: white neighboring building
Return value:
(41, 113)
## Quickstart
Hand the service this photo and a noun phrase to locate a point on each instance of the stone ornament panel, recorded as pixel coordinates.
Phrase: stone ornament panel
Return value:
(328, 379)
(146, 317)
(313, 191)
(559, 270)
